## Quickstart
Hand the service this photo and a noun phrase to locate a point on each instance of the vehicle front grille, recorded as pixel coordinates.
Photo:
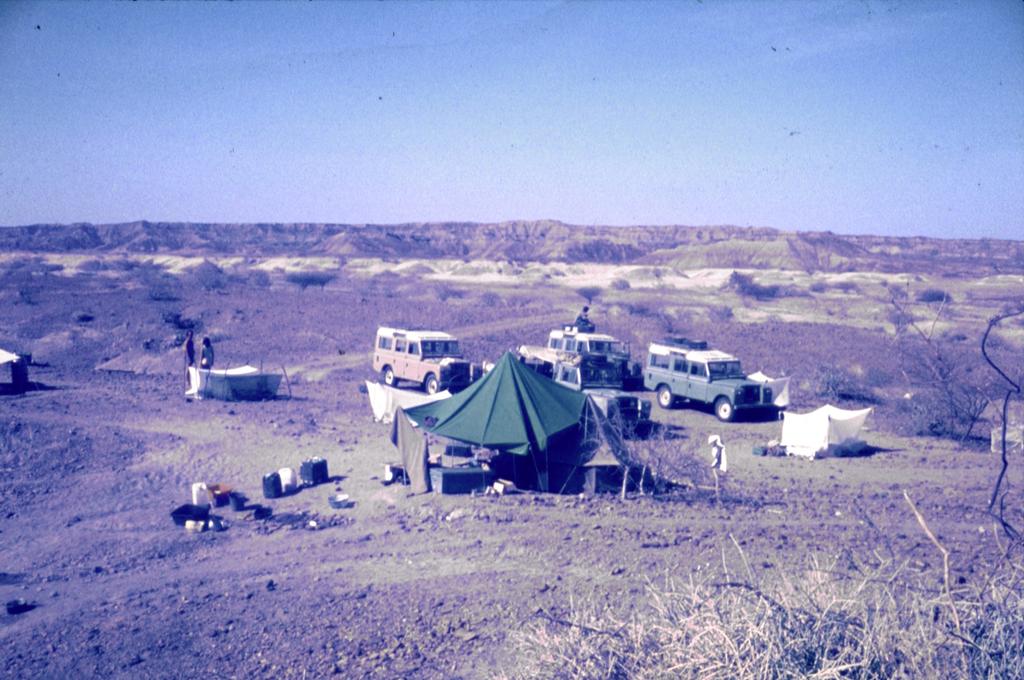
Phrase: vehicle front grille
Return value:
(749, 394)
(628, 410)
(456, 373)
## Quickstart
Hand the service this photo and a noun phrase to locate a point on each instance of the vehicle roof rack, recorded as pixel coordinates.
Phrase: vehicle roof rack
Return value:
(684, 343)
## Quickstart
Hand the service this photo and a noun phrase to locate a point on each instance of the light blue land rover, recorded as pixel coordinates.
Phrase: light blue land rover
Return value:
(682, 370)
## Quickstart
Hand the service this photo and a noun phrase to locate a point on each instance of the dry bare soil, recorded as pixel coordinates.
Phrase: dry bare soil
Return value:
(403, 586)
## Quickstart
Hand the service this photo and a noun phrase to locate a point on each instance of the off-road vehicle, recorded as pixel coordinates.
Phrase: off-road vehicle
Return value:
(569, 342)
(684, 370)
(429, 358)
(601, 378)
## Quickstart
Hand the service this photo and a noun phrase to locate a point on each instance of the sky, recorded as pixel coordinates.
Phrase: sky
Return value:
(858, 117)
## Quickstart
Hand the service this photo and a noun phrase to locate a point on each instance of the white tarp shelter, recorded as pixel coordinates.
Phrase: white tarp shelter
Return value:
(386, 400)
(779, 387)
(243, 383)
(19, 371)
(811, 435)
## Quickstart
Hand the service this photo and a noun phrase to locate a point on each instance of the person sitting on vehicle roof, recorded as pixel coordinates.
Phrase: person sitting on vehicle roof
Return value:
(583, 322)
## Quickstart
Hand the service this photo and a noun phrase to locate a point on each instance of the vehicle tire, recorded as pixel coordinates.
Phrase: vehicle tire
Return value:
(388, 374)
(665, 398)
(430, 384)
(724, 409)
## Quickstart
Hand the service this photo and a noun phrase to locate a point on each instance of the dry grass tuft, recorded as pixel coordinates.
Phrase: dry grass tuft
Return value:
(834, 620)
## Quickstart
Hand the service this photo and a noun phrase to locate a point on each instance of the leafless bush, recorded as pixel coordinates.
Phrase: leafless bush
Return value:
(492, 299)
(620, 284)
(257, 278)
(945, 375)
(671, 461)
(589, 293)
(838, 384)
(305, 279)
(94, 265)
(930, 295)
(209, 276)
(445, 292)
(745, 286)
(819, 620)
(720, 313)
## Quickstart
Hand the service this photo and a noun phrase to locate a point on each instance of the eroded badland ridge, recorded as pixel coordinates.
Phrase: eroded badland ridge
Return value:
(535, 241)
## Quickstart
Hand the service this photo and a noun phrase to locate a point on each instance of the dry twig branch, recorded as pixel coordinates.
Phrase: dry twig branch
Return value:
(1014, 388)
(945, 559)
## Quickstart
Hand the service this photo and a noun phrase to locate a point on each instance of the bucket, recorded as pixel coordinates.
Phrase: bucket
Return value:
(271, 485)
(288, 479)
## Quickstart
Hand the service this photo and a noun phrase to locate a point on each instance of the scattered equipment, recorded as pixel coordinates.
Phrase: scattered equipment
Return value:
(313, 471)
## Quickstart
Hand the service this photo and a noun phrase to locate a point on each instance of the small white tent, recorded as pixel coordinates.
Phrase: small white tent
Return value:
(386, 400)
(19, 372)
(810, 435)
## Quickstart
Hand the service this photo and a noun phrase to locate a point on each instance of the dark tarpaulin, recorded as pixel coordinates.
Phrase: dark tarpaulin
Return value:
(413, 446)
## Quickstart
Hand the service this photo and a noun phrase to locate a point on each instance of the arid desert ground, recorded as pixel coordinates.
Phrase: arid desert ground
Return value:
(430, 586)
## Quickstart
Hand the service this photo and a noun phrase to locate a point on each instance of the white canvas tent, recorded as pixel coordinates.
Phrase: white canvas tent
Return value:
(778, 386)
(386, 400)
(814, 434)
(19, 371)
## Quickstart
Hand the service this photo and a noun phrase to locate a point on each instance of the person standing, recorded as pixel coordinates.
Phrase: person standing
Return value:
(206, 358)
(190, 358)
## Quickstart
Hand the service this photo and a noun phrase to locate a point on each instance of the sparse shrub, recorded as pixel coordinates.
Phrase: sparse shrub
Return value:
(620, 284)
(257, 278)
(589, 293)
(818, 287)
(209, 276)
(837, 384)
(720, 313)
(745, 285)
(93, 266)
(181, 323)
(929, 295)
(846, 287)
(491, 299)
(446, 292)
(305, 279)
(876, 377)
(124, 265)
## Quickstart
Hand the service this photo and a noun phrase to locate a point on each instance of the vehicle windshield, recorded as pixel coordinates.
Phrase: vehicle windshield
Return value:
(601, 375)
(441, 348)
(607, 347)
(725, 369)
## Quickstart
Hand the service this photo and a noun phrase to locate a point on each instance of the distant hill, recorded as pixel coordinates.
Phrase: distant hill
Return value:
(536, 241)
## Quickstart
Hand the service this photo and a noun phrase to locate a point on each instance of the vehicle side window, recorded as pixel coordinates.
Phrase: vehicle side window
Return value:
(698, 370)
(659, 361)
(414, 348)
(570, 375)
(553, 343)
(399, 345)
(384, 342)
(679, 365)
(582, 346)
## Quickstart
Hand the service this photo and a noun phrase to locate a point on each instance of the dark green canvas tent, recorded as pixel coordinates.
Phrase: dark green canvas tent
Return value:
(511, 409)
(548, 435)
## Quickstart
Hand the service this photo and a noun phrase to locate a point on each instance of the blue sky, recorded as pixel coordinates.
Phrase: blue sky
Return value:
(903, 118)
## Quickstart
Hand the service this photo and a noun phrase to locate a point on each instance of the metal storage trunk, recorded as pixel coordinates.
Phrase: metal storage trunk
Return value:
(459, 480)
